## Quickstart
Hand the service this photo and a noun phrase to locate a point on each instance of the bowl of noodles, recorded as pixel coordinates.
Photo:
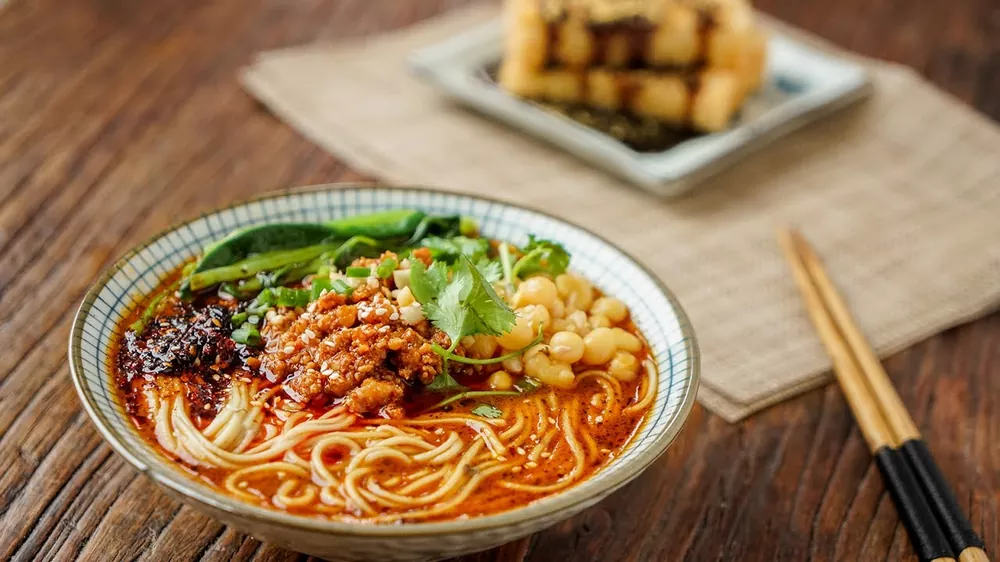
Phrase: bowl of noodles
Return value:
(366, 373)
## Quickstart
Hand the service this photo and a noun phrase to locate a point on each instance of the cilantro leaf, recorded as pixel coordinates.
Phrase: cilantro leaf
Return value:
(487, 411)
(444, 383)
(526, 384)
(491, 270)
(486, 312)
(447, 312)
(541, 256)
(450, 249)
(469, 305)
(426, 283)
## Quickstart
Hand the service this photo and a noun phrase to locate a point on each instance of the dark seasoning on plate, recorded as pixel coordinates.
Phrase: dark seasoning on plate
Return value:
(641, 134)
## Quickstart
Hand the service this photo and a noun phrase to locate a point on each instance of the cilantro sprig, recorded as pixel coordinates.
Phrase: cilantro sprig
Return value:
(541, 256)
(466, 305)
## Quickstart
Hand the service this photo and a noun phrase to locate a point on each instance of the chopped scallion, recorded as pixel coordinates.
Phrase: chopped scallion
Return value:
(359, 272)
(386, 268)
(341, 287)
(320, 284)
(291, 297)
(247, 334)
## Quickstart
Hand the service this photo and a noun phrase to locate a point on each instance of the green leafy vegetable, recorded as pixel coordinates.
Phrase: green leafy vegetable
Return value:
(382, 225)
(261, 239)
(356, 247)
(442, 226)
(449, 249)
(385, 269)
(251, 266)
(358, 272)
(349, 238)
(488, 411)
(541, 256)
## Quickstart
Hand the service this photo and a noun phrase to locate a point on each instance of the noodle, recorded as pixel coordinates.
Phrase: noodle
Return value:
(273, 427)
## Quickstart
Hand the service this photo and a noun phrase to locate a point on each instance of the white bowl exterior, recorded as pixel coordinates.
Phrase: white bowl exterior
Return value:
(653, 309)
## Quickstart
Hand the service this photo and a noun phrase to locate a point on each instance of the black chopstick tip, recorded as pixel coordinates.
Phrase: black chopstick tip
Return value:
(929, 541)
(940, 497)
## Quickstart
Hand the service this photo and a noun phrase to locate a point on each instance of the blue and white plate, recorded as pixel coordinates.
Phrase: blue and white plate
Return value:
(801, 84)
(653, 308)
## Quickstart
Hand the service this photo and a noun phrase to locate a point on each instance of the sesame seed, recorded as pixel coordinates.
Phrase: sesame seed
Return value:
(380, 311)
(531, 464)
(520, 450)
(207, 407)
(605, 451)
(552, 421)
(546, 455)
(304, 338)
(289, 349)
(245, 379)
(310, 333)
(533, 437)
(243, 484)
(516, 469)
(281, 474)
(599, 419)
(439, 431)
(394, 316)
(501, 458)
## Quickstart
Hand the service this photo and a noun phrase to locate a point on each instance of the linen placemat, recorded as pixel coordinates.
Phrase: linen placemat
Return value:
(900, 195)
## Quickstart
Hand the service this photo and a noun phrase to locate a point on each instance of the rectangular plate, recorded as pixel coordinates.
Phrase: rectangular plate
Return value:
(801, 85)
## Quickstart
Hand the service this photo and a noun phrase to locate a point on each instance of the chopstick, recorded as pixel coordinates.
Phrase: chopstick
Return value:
(926, 505)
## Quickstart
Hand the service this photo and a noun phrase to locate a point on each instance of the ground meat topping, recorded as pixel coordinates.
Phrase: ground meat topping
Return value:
(356, 349)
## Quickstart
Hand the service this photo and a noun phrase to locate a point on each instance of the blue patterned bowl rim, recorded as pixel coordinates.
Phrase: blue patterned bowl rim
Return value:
(674, 346)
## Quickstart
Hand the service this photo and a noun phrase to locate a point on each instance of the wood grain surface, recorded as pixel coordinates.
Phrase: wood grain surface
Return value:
(119, 118)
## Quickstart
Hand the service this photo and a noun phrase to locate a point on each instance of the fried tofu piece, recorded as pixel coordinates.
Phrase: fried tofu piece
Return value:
(704, 101)
(689, 63)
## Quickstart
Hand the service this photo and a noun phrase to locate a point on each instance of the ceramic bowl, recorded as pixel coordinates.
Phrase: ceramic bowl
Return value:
(653, 307)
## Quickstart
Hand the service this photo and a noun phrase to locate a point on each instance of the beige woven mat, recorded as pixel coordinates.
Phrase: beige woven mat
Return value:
(900, 195)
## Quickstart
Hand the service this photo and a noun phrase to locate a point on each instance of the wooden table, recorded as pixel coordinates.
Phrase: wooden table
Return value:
(118, 118)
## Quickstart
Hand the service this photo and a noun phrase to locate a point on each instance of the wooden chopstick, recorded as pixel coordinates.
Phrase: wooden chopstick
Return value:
(907, 437)
(879, 430)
